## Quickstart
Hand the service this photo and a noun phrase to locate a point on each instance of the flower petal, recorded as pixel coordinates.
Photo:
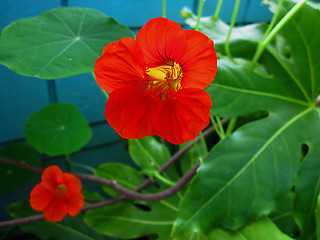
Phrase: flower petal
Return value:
(129, 111)
(51, 177)
(74, 204)
(122, 64)
(180, 119)
(73, 183)
(199, 64)
(40, 197)
(56, 211)
(162, 40)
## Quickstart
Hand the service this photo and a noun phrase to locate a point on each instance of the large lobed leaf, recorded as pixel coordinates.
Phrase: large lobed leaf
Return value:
(127, 219)
(133, 219)
(248, 171)
(59, 43)
(261, 229)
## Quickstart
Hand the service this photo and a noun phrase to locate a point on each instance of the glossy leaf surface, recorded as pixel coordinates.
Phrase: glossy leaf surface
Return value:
(57, 129)
(149, 154)
(132, 219)
(245, 174)
(261, 229)
(59, 43)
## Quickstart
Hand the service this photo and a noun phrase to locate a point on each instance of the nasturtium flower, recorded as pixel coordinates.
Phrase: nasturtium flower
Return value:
(57, 195)
(156, 82)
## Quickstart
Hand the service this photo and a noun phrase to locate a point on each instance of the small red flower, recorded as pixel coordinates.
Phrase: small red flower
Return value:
(57, 194)
(156, 82)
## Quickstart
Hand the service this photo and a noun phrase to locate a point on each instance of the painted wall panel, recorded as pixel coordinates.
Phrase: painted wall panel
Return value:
(83, 91)
(12, 10)
(135, 13)
(19, 97)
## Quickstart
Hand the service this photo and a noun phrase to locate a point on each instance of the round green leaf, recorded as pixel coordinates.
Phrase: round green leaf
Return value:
(57, 129)
(13, 176)
(59, 43)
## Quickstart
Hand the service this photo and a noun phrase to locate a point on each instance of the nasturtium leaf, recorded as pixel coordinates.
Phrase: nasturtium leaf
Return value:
(261, 229)
(132, 219)
(149, 154)
(69, 228)
(59, 43)
(125, 175)
(13, 176)
(247, 172)
(57, 129)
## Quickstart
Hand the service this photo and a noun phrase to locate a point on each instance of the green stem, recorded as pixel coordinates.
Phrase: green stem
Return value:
(231, 125)
(204, 144)
(103, 91)
(215, 126)
(199, 14)
(233, 21)
(273, 21)
(263, 44)
(164, 8)
(79, 165)
(195, 145)
(220, 127)
(218, 8)
(158, 176)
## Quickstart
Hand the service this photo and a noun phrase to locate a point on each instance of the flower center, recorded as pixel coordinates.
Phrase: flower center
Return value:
(166, 78)
(61, 189)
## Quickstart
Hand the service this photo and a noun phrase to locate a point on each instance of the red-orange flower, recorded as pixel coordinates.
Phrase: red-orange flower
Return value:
(156, 82)
(57, 195)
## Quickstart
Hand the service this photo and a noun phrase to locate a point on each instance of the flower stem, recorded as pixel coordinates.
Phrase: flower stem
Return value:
(198, 151)
(199, 14)
(204, 144)
(233, 21)
(218, 8)
(164, 8)
(269, 37)
(157, 175)
(231, 125)
(103, 91)
(215, 126)
(273, 21)
(220, 127)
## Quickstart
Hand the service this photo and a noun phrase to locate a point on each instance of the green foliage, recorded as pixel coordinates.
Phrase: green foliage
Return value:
(13, 176)
(246, 173)
(57, 129)
(267, 169)
(126, 219)
(150, 154)
(261, 229)
(69, 228)
(59, 43)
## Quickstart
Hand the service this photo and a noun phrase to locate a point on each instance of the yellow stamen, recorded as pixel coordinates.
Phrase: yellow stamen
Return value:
(61, 189)
(166, 77)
